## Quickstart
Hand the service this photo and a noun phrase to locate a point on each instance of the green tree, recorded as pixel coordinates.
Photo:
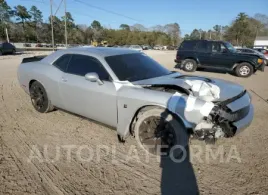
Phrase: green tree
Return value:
(37, 19)
(22, 14)
(173, 30)
(125, 27)
(186, 37)
(5, 14)
(96, 25)
(195, 34)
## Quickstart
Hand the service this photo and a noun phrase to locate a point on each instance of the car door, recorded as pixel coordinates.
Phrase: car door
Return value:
(220, 56)
(5, 48)
(203, 53)
(90, 99)
(59, 67)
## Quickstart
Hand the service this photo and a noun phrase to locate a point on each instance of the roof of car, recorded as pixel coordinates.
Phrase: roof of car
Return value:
(103, 51)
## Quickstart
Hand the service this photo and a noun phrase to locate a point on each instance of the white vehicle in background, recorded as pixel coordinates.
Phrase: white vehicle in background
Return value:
(136, 47)
(158, 47)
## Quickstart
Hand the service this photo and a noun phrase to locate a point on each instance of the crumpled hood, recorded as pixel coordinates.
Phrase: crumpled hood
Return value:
(209, 89)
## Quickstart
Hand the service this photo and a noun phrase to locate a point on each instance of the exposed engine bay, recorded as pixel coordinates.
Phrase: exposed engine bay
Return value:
(215, 118)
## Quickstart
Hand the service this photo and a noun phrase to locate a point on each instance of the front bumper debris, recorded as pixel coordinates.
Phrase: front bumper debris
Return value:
(240, 112)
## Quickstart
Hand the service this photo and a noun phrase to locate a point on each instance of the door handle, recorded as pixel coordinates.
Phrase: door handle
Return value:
(64, 79)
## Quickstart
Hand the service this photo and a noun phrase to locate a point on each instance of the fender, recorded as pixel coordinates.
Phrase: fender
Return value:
(247, 61)
(191, 110)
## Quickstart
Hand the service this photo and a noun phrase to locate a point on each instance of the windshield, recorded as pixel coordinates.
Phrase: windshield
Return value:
(230, 47)
(134, 67)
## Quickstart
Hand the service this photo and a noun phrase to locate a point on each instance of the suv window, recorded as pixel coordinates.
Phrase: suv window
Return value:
(218, 47)
(62, 62)
(8, 46)
(203, 46)
(248, 51)
(81, 65)
(188, 45)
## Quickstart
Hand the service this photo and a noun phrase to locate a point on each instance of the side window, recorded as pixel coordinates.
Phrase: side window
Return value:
(81, 65)
(248, 51)
(203, 46)
(10, 46)
(188, 45)
(218, 48)
(62, 62)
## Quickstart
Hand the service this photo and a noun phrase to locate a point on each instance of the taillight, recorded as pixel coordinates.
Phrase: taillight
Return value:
(265, 52)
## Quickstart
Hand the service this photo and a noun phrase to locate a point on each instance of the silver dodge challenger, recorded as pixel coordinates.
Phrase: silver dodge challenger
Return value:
(128, 90)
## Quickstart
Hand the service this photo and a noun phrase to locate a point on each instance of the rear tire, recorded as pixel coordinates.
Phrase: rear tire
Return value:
(1, 53)
(13, 51)
(244, 70)
(189, 65)
(156, 128)
(39, 98)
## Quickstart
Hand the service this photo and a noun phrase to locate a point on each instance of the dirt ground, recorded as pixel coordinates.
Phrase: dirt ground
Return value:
(60, 153)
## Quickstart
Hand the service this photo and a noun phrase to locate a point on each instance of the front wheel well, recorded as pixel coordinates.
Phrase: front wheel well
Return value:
(192, 58)
(144, 109)
(31, 82)
(243, 61)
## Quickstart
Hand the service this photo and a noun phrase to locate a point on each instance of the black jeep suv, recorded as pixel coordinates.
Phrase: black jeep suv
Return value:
(216, 54)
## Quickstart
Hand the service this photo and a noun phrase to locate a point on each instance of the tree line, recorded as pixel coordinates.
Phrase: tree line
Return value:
(26, 25)
(241, 32)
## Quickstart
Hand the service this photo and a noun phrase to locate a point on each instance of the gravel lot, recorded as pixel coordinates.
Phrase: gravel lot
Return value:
(30, 142)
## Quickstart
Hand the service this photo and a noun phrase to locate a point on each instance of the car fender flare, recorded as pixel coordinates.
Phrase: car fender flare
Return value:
(193, 58)
(239, 62)
(33, 80)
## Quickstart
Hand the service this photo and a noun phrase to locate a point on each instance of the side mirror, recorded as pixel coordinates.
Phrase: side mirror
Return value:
(93, 77)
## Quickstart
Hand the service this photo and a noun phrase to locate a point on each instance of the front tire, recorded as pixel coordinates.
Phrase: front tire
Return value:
(157, 130)
(39, 98)
(189, 65)
(244, 70)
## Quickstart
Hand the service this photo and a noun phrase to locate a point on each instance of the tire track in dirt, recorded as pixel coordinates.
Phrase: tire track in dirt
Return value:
(18, 119)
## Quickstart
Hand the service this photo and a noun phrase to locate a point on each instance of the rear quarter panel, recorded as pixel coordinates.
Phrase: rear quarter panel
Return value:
(186, 54)
(46, 74)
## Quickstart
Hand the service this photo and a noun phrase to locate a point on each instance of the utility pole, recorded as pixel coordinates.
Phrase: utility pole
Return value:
(200, 33)
(210, 34)
(66, 34)
(51, 20)
(7, 34)
(220, 32)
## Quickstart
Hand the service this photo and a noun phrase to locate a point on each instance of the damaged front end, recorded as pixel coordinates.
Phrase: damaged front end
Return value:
(226, 119)
(201, 106)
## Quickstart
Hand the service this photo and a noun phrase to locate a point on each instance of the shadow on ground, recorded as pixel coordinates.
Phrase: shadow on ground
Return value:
(178, 176)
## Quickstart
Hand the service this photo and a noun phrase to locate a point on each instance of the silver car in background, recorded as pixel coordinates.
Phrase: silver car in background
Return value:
(128, 90)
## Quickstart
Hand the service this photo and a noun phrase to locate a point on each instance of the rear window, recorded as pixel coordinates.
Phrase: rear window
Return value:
(188, 45)
(62, 62)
